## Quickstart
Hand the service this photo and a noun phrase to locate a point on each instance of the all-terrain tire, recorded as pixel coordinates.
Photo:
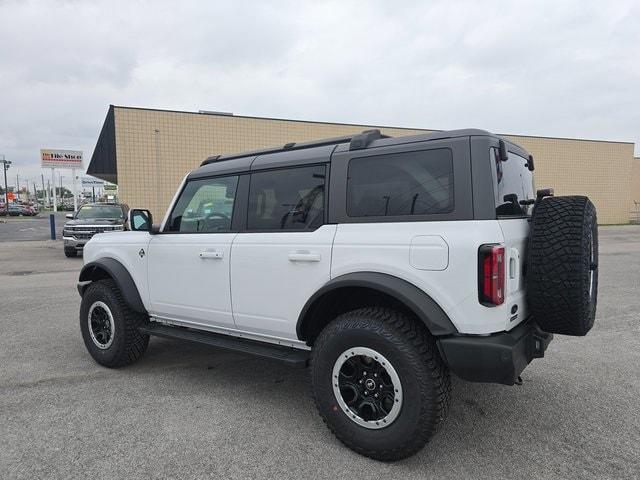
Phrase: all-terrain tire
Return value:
(70, 252)
(562, 265)
(128, 342)
(424, 379)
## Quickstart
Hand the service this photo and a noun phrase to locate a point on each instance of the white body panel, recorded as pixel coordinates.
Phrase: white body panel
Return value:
(516, 235)
(125, 248)
(258, 283)
(391, 248)
(189, 277)
(274, 274)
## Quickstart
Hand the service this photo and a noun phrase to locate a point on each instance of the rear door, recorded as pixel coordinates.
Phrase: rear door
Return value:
(284, 256)
(514, 191)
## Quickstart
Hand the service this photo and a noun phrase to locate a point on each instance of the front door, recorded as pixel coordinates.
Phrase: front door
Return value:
(285, 256)
(188, 267)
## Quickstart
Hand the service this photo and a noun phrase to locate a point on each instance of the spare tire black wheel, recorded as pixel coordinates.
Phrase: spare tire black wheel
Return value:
(562, 265)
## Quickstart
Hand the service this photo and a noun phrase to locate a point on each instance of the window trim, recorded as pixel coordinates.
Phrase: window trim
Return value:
(234, 220)
(245, 225)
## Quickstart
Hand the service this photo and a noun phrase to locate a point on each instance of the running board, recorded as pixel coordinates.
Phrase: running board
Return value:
(291, 356)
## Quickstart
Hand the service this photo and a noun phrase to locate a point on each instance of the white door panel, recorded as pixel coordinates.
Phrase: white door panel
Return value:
(189, 277)
(273, 275)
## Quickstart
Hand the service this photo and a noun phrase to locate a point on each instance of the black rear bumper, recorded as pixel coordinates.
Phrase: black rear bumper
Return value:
(497, 358)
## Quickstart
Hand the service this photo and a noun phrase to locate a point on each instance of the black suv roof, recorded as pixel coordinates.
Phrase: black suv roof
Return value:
(221, 164)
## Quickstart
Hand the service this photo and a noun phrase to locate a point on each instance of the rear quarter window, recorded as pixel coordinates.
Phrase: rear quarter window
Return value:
(410, 183)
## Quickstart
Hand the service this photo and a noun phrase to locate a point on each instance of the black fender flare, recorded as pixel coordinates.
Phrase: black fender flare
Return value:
(419, 302)
(112, 268)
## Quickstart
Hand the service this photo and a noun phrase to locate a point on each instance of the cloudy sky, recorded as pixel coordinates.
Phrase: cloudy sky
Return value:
(555, 68)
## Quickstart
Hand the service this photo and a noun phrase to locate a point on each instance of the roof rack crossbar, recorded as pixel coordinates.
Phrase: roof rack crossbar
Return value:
(364, 139)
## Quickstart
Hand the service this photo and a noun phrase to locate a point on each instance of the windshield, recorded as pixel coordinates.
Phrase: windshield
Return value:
(100, 211)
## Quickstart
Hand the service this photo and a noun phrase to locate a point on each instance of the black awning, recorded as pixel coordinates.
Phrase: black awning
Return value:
(103, 161)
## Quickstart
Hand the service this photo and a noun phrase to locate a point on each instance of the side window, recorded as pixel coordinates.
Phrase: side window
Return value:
(514, 184)
(411, 183)
(204, 206)
(287, 199)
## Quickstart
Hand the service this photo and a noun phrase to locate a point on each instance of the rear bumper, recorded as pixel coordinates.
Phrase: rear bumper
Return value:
(497, 358)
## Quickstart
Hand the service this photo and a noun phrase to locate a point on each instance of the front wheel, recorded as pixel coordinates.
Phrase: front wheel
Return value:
(110, 328)
(70, 252)
(379, 382)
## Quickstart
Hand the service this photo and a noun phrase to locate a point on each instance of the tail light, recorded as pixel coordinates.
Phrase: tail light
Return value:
(491, 266)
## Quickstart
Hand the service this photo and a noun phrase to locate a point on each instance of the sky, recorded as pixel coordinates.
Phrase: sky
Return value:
(550, 68)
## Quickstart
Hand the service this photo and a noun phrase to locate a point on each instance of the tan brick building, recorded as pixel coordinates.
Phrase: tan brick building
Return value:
(635, 190)
(147, 153)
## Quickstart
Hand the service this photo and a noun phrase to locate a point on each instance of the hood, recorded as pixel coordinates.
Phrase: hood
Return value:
(95, 221)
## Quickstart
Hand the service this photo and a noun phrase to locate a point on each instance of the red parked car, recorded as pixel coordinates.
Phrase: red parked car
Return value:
(29, 211)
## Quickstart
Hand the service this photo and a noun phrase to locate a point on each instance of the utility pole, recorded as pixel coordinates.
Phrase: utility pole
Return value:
(61, 192)
(5, 165)
(43, 194)
(157, 134)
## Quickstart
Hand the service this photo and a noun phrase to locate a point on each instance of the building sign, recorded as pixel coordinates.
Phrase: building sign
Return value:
(92, 182)
(109, 187)
(61, 158)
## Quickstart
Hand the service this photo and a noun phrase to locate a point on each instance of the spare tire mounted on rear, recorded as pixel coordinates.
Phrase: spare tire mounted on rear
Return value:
(562, 265)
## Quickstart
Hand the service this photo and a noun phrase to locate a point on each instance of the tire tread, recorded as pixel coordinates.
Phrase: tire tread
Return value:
(415, 342)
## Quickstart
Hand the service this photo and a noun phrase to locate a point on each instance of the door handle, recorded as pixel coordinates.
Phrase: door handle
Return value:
(304, 257)
(211, 254)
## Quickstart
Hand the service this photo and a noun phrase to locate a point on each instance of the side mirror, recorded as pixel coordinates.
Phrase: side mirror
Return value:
(140, 220)
(69, 216)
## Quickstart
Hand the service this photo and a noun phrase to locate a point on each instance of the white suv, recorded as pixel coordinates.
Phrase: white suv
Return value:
(383, 263)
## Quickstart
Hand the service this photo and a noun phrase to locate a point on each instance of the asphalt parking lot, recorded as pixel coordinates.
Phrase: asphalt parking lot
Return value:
(187, 411)
(16, 229)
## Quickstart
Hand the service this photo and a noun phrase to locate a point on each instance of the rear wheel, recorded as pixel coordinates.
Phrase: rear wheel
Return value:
(110, 327)
(379, 383)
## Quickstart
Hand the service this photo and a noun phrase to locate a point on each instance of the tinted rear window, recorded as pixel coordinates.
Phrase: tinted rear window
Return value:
(514, 183)
(411, 183)
(287, 199)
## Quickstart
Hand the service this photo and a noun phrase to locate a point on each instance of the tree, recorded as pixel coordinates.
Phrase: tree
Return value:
(65, 192)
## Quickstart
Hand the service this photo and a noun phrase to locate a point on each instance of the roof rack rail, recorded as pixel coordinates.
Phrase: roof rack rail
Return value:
(358, 142)
(362, 140)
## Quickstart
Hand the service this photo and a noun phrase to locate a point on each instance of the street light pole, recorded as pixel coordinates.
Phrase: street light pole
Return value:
(43, 194)
(5, 165)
